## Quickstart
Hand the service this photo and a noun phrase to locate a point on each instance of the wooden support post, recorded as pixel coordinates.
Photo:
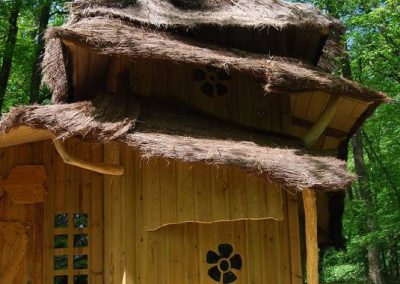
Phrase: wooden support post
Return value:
(323, 121)
(310, 211)
(107, 169)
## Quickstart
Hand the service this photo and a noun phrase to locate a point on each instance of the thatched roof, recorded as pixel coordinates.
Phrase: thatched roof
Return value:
(107, 36)
(257, 14)
(173, 133)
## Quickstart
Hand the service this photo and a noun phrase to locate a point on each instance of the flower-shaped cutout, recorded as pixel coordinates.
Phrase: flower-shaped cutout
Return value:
(224, 264)
(212, 81)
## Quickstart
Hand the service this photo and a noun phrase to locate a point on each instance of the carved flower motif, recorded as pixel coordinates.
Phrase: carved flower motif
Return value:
(212, 81)
(224, 264)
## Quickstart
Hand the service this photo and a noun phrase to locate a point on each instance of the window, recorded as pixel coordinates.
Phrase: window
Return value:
(71, 242)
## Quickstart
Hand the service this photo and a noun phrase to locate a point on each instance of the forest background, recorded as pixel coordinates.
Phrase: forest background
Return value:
(372, 214)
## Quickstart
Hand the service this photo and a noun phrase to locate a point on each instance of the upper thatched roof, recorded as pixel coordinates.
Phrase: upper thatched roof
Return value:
(256, 14)
(176, 134)
(107, 36)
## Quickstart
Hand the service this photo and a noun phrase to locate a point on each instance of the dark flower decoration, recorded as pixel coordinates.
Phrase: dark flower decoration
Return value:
(225, 263)
(212, 81)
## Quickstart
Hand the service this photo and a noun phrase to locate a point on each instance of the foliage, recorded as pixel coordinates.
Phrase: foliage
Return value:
(19, 83)
(373, 42)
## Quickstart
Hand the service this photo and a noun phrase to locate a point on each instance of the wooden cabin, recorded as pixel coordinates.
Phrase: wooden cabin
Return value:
(189, 141)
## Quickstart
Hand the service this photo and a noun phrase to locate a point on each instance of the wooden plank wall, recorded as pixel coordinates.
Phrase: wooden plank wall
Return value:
(177, 193)
(74, 191)
(245, 101)
(70, 191)
(31, 269)
(173, 254)
(177, 253)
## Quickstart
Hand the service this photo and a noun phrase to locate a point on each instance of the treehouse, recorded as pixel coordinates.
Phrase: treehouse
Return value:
(188, 141)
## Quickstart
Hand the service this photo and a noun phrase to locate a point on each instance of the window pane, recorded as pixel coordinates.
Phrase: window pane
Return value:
(80, 220)
(61, 279)
(61, 262)
(61, 220)
(80, 261)
(60, 241)
(80, 240)
(81, 279)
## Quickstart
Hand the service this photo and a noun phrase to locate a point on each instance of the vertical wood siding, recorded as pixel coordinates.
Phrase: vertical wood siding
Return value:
(121, 251)
(177, 253)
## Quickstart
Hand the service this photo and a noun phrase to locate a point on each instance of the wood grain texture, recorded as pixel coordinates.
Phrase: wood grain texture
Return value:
(218, 194)
(177, 253)
(310, 212)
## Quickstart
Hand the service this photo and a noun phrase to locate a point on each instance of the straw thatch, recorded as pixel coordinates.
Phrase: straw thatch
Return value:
(257, 14)
(281, 75)
(240, 14)
(176, 134)
(103, 119)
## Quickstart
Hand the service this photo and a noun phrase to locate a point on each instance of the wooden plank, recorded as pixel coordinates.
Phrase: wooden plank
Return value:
(284, 244)
(237, 193)
(151, 193)
(303, 101)
(111, 218)
(168, 192)
(255, 253)
(50, 161)
(193, 254)
(140, 234)
(175, 251)
(71, 192)
(317, 105)
(130, 214)
(239, 233)
(255, 193)
(202, 192)
(310, 212)
(97, 219)
(294, 239)
(207, 241)
(219, 192)
(185, 191)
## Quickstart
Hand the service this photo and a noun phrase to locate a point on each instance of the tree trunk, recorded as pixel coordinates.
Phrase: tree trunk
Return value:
(5, 69)
(374, 272)
(36, 78)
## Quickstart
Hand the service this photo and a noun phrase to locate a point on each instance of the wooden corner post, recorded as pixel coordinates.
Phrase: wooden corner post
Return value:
(310, 212)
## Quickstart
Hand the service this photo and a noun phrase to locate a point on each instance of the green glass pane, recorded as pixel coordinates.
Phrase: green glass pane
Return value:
(61, 262)
(60, 241)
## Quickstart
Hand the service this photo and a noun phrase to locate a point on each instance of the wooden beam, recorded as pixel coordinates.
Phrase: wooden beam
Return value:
(336, 133)
(22, 135)
(322, 123)
(310, 212)
(103, 168)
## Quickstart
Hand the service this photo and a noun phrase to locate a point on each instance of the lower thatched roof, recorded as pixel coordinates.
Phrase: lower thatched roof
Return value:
(177, 134)
(118, 38)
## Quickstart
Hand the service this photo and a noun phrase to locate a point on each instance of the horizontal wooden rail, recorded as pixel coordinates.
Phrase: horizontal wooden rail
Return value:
(103, 168)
